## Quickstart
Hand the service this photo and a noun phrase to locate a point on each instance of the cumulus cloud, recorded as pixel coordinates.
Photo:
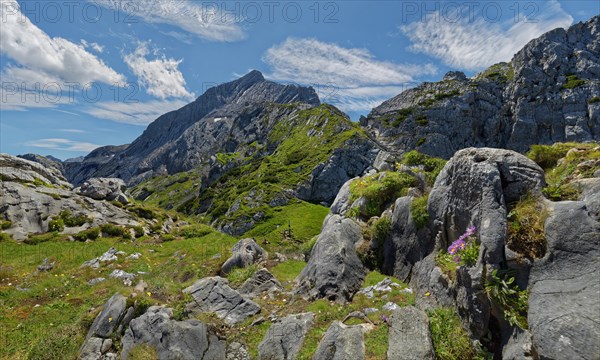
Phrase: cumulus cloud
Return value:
(477, 44)
(134, 113)
(43, 58)
(350, 78)
(62, 145)
(160, 77)
(204, 20)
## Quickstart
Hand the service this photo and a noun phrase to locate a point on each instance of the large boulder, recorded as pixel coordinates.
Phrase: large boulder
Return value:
(334, 270)
(172, 340)
(564, 305)
(109, 319)
(342, 342)
(409, 336)
(474, 188)
(113, 318)
(103, 189)
(213, 294)
(284, 339)
(244, 253)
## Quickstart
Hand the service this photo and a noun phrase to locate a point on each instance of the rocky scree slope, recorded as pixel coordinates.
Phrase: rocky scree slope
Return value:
(549, 92)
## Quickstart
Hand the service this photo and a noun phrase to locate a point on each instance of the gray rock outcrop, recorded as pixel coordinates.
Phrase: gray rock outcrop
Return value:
(103, 189)
(33, 195)
(262, 281)
(334, 270)
(409, 337)
(106, 326)
(244, 253)
(494, 178)
(284, 339)
(172, 340)
(213, 294)
(564, 309)
(341, 342)
(540, 97)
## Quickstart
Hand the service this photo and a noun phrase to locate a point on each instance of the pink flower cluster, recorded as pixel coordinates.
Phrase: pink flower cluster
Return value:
(461, 243)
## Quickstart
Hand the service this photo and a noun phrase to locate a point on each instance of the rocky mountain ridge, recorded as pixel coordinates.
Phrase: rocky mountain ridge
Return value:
(548, 93)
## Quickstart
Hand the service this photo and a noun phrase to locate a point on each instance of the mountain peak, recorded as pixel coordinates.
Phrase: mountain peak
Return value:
(254, 76)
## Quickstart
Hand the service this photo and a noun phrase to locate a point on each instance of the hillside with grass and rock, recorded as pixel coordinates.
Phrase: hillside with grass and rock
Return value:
(459, 220)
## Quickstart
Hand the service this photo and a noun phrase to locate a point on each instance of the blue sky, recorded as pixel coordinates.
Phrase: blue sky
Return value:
(77, 75)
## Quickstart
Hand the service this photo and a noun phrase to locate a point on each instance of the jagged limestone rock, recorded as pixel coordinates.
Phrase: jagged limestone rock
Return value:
(284, 338)
(334, 270)
(409, 336)
(341, 342)
(213, 294)
(244, 253)
(172, 340)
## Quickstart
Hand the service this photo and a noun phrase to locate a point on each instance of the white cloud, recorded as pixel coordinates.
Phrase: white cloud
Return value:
(134, 113)
(478, 44)
(161, 76)
(43, 58)
(62, 145)
(204, 20)
(349, 78)
(74, 131)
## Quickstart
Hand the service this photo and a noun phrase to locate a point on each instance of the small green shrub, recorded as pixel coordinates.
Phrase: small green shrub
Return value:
(513, 301)
(421, 120)
(381, 190)
(432, 166)
(72, 221)
(139, 231)
(547, 156)
(42, 238)
(89, 234)
(595, 99)
(111, 230)
(56, 225)
(418, 210)
(5, 237)
(573, 82)
(450, 340)
(168, 237)
(526, 222)
(195, 231)
(237, 276)
(5, 224)
(381, 228)
(143, 212)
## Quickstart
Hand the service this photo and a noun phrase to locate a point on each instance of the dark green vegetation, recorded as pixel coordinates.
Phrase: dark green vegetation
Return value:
(513, 301)
(418, 210)
(564, 163)
(573, 82)
(500, 73)
(450, 340)
(379, 190)
(526, 228)
(594, 100)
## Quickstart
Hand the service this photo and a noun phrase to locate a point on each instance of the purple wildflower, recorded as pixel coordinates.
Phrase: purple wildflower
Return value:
(461, 242)
(385, 319)
(457, 259)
